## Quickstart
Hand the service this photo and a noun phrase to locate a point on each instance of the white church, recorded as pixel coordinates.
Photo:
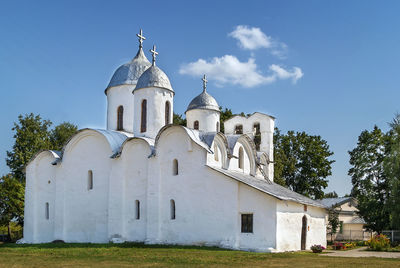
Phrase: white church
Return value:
(143, 179)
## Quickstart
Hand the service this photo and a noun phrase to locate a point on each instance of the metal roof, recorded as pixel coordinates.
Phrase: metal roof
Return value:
(334, 202)
(357, 220)
(129, 73)
(115, 139)
(153, 77)
(268, 187)
(203, 101)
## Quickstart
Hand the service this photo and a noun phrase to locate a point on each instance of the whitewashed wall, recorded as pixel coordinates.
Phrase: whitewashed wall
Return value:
(156, 99)
(208, 119)
(116, 96)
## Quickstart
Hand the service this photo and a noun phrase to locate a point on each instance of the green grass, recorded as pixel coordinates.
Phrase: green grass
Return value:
(135, 254)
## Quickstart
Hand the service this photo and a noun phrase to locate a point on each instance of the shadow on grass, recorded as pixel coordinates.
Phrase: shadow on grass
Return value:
(108, 245)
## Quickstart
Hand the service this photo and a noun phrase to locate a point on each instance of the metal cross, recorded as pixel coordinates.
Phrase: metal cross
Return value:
(204, 82)
(141, 38)
(155, 53)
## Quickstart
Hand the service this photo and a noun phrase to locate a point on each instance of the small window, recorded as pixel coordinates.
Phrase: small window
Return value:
(305, 207)
(90, 180)
(173, 214)
(257, 135)
(120, 118)
(167, 111)
(217, 127)
(47, 213)
(175, 170)
(143, 117)
(215, 152)
(247, 223)
(137, 205)
(239, 129)
(196, 125)
(241, 158)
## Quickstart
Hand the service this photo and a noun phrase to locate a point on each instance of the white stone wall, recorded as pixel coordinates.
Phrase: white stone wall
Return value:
(267, 124)
(116, 96)
(156, 99)
(208, 119)
(289, 225)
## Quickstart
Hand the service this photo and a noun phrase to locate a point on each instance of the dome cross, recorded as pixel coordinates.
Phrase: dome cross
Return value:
(204, 83)
(141, 38)
(155, 53)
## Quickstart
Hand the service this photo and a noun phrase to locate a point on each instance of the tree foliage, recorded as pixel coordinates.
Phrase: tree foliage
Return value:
(32, 134)
(331, 195)
(178, 120)
(11, 201)
(333, 222)
(370, 183)
(302, 163)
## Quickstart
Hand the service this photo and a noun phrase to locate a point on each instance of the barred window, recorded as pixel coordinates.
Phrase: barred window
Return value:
(247, 223)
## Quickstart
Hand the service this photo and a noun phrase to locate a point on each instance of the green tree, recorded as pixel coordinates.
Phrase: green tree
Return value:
(11, 201)
(224, 115)
(392, 171)
(333, 221)
(178, 120)
(370, 184)
(331, 195)
(60, 135)
(31, 136)
(302, 163)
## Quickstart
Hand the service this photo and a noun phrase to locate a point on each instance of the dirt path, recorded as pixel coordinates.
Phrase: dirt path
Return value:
(361, 252)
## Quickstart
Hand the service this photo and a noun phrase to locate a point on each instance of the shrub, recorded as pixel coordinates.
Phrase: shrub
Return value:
(338, 246)
(379, 243)
(317, 248)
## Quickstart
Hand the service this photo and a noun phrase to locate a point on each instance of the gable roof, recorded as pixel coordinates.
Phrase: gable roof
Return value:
(268, 187)
(334, 202)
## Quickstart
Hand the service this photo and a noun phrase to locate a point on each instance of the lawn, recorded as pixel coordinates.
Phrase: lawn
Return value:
(134, 254)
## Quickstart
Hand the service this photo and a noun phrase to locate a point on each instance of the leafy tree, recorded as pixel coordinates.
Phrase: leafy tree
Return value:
(302, 163)
(60, 135)
(11, 201)
(333, 221)
(392, 171)
(178, 120)
(331, 195)
(224, 115)
(370, 184)
(31, 136)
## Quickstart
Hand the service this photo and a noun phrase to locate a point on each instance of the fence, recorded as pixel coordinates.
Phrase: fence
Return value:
(393, 235)
(349, 235)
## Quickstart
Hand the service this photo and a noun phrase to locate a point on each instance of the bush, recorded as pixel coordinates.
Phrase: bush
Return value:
(338, 246)
(379, 243)
(317, 248)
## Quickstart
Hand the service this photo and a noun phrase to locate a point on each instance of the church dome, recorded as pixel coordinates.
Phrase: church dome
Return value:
(204, 100)
(154, 77)
(129, 73)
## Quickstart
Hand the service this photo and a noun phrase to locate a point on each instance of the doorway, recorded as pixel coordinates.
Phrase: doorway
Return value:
(304, 233)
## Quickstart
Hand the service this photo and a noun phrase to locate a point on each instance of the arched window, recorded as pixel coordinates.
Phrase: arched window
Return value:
(257, 135)
(47, 212)
(241, 160)
(137, 205)
(215, 152)
(239, 129)
(175, 170)
(143, 121)
(172, 207)
(196, 125)
(120, 118)
(217, 127)
(90, 180)
(167, 111)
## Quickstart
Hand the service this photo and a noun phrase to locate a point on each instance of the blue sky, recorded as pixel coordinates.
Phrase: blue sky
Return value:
(56, 58)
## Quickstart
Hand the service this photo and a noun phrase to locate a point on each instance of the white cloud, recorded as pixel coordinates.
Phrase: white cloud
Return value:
(253, 38)
(230, 70)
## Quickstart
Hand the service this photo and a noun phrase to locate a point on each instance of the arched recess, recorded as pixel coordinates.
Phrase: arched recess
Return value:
(120, 118)
(196, 125)
(249, 148)
(167, 112)
(143, 116)
(221, 144)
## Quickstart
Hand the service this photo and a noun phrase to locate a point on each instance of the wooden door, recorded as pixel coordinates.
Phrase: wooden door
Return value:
(304, 233)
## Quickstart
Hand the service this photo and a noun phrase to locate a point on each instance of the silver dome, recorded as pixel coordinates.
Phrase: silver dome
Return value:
(154, 77)
(203, 101)
(129, 73)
